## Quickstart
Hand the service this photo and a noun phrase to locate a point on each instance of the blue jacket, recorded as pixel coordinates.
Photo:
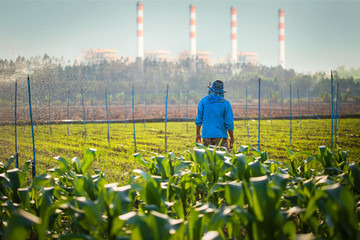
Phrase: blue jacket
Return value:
(216, 116)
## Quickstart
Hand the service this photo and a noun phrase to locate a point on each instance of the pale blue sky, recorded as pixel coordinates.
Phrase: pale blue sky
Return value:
(320, 35)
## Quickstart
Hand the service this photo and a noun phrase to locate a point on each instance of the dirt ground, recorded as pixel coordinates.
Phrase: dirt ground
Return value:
(117, 112)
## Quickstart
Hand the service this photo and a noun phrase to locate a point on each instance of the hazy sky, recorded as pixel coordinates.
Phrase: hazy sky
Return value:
(319, 35)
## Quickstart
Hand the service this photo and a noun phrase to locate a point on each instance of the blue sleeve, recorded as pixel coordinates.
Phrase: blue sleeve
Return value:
(229, 118)
(200, 114)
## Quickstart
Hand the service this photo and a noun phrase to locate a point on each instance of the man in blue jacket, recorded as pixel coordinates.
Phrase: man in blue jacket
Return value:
(216, 116)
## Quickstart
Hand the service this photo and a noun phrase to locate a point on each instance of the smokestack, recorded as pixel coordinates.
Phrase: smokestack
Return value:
(281, 38)
(192, 32)
(140, 31)
(233, 36)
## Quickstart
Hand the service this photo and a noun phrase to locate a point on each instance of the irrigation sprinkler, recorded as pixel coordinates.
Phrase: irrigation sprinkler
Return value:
(32, 129)
(145, 110)
(282, 102)
(270, 109)
(332, 110)
(298, 95)
(187, 103)
(336, 112)
(166, 103)
(107, 116)
(133, 116)
(68, 112)
(83, 105)
(16, 153)
(50, 116)
(259, 80)
(309, 104)
(290, 115)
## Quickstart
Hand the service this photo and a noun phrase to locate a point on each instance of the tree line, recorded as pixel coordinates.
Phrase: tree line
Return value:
(52, 80)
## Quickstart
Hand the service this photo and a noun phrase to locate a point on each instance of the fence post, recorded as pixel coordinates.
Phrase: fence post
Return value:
(298, 95)
(332, 110)
(107, 116)
(309, 104)
(68, 114)
(32, 129)
(282, 102)
(166, 103)
(187, 103)
(145, 109)
(179, 107)
(247, 116)
(125, 109)
(16, 153)
(133, 115)
(290, 115)
(270, 110)
(336, 112)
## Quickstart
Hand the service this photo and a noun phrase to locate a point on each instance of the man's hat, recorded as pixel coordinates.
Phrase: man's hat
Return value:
(217, 86)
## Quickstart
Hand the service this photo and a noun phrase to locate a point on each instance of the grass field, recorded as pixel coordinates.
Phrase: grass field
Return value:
(115, 159)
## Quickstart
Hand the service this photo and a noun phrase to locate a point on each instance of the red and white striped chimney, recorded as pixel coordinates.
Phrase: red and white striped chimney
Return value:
(233, 57)
(192, 32)
(140, 31)
(281, 38)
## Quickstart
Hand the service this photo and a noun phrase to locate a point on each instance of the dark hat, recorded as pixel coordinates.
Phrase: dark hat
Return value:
(217, 86)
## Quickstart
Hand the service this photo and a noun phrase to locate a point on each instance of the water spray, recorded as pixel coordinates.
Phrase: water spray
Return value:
(50, 116)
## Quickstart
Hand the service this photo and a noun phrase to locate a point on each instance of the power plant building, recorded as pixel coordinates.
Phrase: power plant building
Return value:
(96, 56)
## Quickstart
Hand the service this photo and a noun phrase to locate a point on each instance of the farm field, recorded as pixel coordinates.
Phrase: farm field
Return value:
(115, 159)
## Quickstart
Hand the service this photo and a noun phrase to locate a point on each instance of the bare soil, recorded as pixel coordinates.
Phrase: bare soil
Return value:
(117, 112)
